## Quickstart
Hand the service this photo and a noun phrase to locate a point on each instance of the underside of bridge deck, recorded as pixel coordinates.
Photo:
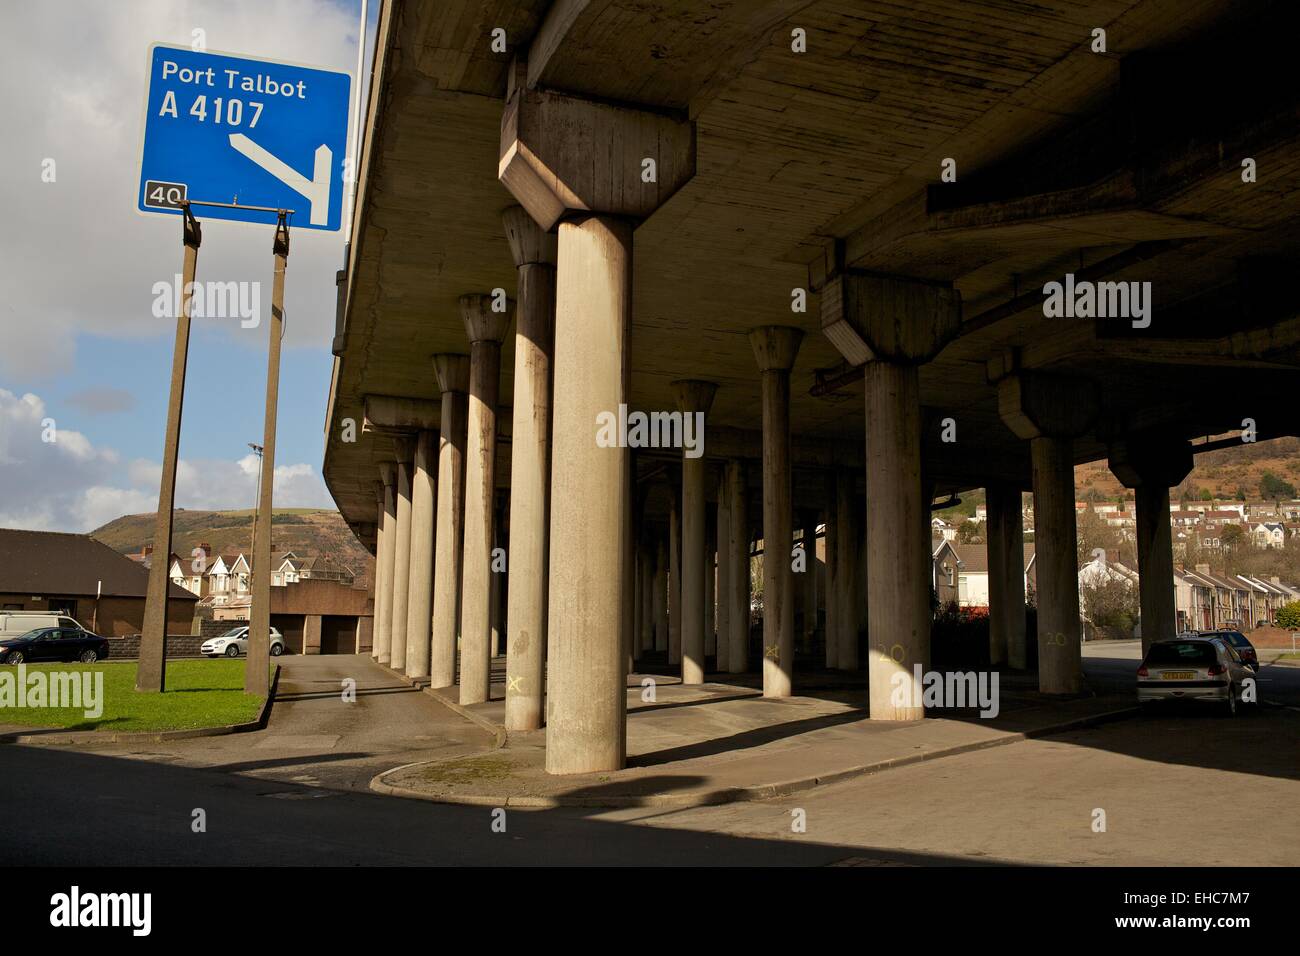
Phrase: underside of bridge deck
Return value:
(899, 182)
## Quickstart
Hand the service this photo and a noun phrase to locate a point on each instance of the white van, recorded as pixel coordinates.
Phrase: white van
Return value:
(13, 623)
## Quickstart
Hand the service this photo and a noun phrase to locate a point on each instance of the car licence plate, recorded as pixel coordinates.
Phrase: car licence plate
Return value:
(1177, 675)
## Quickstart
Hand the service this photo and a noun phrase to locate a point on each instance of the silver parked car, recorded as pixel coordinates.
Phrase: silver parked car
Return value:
(1189, 667)
(235, 642)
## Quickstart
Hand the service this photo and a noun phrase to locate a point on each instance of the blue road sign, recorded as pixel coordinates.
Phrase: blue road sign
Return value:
(232, 129)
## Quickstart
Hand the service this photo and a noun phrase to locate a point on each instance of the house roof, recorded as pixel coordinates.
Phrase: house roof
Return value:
(51, 562)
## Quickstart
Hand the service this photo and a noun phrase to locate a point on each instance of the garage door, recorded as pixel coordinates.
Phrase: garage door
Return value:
(338, 634)
(290, 627)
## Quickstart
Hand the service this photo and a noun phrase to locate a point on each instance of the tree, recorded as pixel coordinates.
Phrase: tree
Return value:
(1232, 537)
(1110, 600)
(970, 531)
(1271, 486)
(1288, 616)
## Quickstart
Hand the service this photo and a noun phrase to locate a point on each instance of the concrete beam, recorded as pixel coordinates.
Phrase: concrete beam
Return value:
(394, 413)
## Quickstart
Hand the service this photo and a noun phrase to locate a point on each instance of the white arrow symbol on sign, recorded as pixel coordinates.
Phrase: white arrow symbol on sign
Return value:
(316, 189)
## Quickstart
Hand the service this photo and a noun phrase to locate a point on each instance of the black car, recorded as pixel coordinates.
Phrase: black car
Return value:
(1245, 650)
(53, 644)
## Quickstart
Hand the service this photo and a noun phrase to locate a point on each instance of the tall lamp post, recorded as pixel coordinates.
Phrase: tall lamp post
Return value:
(257, 503)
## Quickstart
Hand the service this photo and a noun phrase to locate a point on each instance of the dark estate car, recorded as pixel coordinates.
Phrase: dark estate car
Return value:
(53, 644)
(1245, 650)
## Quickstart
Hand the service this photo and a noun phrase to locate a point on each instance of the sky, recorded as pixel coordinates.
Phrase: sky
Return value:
(85, 361)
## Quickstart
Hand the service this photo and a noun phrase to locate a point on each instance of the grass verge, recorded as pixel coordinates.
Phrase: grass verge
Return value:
(200, 693)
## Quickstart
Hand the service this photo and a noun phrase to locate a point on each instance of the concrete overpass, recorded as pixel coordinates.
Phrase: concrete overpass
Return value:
(830, 226)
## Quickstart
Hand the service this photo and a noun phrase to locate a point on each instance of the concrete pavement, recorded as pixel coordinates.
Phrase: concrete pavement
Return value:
(288, 795)
(316, 738)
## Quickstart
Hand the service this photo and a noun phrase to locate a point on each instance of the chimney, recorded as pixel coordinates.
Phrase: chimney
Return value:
(1274, 580)
(205, 548)
(1203, 568)
(146, 550)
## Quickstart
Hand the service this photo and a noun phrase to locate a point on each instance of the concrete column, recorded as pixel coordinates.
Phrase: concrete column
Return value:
(710, 582)
(453, 381)
(311, 631)
(898, 540)
(638, 602)
(1151, 464)
(496, 619)
(419, 602)
(833, 610)
(849, 577)
(660, 589)
(530, 469)
(808, 522)
(587, 710)
(628, 567)
(726, 580)
(404, 448)
(485, 327)
(738, 545)
(775, 348)
(894, 325)
(387, 533)
(1005, 535)
(674, 575)
(548, 165)
(646, 640)
(694, 399)
(1060, 667)
(1050, 410)
(1155, 564)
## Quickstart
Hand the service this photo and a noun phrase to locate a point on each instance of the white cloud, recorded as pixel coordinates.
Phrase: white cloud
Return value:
(78, 257)
(70, 484)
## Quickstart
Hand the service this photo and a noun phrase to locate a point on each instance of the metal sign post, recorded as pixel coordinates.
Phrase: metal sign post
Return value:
(257, 673)
(151, 671)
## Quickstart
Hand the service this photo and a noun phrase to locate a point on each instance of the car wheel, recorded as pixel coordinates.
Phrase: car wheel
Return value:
(15, 657)
(232, 650)
(1232, 701)
(89, 657)
(277, 650)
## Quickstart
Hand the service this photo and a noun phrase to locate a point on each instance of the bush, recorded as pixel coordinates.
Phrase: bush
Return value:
(959, 638)
(1288, 615)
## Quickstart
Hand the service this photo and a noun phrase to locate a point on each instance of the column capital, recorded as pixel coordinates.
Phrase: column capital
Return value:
(404, 448)
(694, 396)
(388, 474)
(1147, 459)
(870, 317)
(482, 323)
(775, 346)
(550, 162)
(452, 371)
(529, 243)
(1036, 404)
